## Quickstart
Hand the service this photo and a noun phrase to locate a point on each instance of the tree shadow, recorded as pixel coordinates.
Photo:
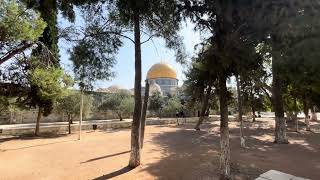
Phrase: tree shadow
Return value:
(39, 145)
(114, 130)
(190, 154)
(32, 136)
(114, 174)
(104, 157)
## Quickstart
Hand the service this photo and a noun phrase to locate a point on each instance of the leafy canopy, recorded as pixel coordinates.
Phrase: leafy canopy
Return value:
(70, 104)
(17, 23)
(121, 103)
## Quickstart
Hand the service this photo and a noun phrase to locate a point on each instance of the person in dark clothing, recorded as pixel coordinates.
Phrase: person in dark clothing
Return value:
(177, 116)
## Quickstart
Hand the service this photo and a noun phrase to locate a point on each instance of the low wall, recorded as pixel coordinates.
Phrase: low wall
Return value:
(60, 128)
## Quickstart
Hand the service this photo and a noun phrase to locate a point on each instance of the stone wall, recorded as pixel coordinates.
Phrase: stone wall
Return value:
(60, 128)
(25, 117)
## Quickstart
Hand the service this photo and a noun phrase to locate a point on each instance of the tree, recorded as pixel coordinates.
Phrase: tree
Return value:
(93, 54)
(120, 103)
(240, 112)
(117, 19)
(227, 23)
(156, 102)
(49, 13)
(200, 81)
(160, 19)
(20, 29)
(47, 85)
(288, 27)
(144, 113)
(172, 106)
(4, 104)
(70, 105)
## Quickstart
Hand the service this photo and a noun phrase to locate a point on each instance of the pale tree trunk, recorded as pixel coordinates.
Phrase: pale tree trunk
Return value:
(314, 114)
(242, 139)
(296, 115)
(224, 131)
(280, 121)
(144, 113)
(36, 133)
(204, 106)
(81, 112)
(306, 113)
(135, 128)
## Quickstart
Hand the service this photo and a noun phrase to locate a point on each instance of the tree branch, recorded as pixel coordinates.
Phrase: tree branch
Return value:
(22, 47)
(148, 38)
(110, 32)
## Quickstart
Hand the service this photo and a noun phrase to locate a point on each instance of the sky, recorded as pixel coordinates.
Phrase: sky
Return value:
(152, 52)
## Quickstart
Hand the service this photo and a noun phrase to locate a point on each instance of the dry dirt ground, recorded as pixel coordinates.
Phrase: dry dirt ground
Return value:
(170, 152)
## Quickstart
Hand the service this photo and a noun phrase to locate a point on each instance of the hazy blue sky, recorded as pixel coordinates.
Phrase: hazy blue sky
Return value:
(152, 52)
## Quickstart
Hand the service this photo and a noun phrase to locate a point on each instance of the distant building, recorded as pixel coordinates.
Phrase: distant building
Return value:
(114, 89)
(162, 78)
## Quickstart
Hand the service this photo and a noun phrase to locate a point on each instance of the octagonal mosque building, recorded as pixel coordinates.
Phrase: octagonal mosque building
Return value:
(162, 77)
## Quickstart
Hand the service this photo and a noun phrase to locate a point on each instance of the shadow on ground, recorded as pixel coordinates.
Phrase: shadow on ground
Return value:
(104, 157)
(114, 174)
(32, 136)
(190, 154)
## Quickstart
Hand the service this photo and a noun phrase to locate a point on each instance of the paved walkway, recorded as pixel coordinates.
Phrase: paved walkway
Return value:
(55, 124)
(277, 175)
(75, 123)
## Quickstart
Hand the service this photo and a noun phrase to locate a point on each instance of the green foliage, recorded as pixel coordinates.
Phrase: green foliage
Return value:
(47, 84)
(127, 106)
(70, 104)
(17, 23)
(172, 106)
(20, 28)
(120, 103)
(294, 41)
(92, 59)
(93, 54)
(159, 18)
(52, 82)
(49, 11)
(156, 102)
(4, 104)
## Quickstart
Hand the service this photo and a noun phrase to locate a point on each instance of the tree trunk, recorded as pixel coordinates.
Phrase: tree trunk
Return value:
(81, 110)
(253, 108)
(11, 117)
(135, 129)
(280, 121)
(144, 113)
(36, 133)
(242, 139)
(224, 131)
(49, 12)
(120, 117)
(296, 115)
(253, 112)
(314, 114)
(204, 106)
(69, 123)
(306, 113)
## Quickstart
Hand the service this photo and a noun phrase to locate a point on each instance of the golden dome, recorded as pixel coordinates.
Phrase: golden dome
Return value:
(161, 70)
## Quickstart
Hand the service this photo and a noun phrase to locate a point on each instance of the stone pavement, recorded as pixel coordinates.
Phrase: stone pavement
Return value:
(277, 175)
